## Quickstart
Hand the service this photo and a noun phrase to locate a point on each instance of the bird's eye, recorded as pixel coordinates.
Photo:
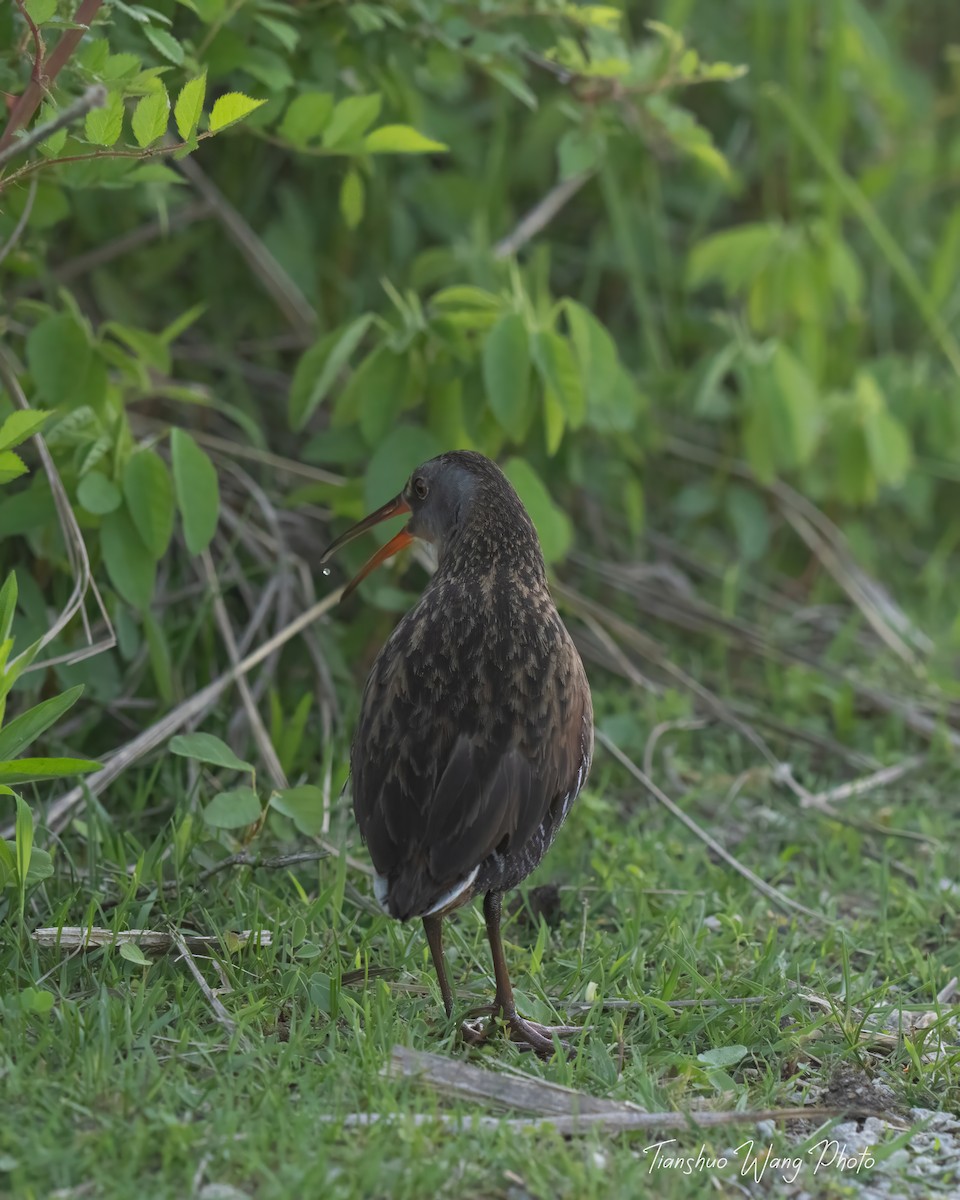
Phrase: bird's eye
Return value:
(420, 488)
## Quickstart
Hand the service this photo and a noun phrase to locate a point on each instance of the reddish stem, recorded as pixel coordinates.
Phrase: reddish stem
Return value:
(29, 99)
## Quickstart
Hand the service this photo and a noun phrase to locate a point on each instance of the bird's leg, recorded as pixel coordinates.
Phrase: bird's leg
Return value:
(433, 928)
(539, 1037)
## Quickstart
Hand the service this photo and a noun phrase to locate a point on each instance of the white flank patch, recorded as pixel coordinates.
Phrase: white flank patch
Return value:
(380, 888)
(454, 894)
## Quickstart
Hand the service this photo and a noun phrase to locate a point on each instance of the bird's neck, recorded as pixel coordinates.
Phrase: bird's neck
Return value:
(488, 548)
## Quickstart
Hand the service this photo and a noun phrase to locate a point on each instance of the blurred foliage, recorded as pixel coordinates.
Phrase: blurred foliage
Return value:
(561, 233)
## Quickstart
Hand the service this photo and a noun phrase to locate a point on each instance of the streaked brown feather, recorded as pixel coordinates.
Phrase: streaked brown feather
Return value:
(476, 728)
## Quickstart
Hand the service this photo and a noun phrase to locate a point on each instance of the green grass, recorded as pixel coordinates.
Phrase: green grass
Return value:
(130, 1085)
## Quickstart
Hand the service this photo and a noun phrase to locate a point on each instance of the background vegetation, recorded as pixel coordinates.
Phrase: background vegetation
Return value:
(690, 272)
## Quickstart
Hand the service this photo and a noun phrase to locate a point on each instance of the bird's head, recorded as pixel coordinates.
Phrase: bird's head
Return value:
(441, 495)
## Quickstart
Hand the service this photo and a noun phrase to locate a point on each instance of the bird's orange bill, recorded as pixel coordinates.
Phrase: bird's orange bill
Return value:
(393, 508)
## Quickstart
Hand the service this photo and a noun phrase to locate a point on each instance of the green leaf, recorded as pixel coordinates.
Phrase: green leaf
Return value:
(351, 199)
(887, 441)
(150, 117)
(8, 605)
(554, 421)
(579, 152)
(404, 447)
(40, 10)
(98, 494)
(506, 374)
(24, 844)
(351, 119)
(26, 728)
(400, 139)
(723, 1056)
(380, 383)
(149, 496)
(189, 106)
(103, 126)
(232, 107)
(132, 953)
(130, 565)
(748, 516)
(159, 652)
(234, 809)
(20, 425)
(36, 1000)
(319, 367)
(466, 296)
(303, 805)
(12, 466)
(207, 748)
(41, 867)
(553, 524)
(557, 366)
(797, 408)
(58, 354)
(197, 489)
(165, 44)
(612, 399)
(26, 770)
(306, 117)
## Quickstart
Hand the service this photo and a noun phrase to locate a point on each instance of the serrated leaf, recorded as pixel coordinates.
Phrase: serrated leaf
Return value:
(130, 565)
(351, 199)
(26, 728)
(197, 489)
(351, 119)
(164, 43)
(319, 367)
(26, 770)
(303, 805)
(189, 106)
(58, 354)
(103, 126)
(234, 809)
(150, 117)
(207, 748)
(132, 953)
(149, 495)
(552, 523)
(306, 117)
(232, 107)
(40, 10)
(20, 425)
(12, 466)
(98, 494)
(506, 374)
(401, 139)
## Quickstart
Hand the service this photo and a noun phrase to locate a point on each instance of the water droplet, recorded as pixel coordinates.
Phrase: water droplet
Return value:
(327, 571)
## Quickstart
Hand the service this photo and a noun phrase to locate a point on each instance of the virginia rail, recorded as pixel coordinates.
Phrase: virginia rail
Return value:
(476, 725)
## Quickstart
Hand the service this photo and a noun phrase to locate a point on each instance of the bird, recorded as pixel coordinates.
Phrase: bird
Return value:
(475, 732)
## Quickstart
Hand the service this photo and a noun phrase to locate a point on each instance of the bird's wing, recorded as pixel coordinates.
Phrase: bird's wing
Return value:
(435, 794)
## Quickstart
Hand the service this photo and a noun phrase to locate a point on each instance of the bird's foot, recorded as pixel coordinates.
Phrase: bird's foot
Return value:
(530, 1035)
